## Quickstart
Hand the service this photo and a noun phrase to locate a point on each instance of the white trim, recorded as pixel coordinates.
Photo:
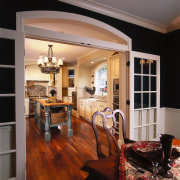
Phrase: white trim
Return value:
(8, 34)
(173, 27)
(5, 95)
(21, 16)
(19, 89)
(7, 123)
(102, 9)
(173, 110)
(7, 66)
(20, 96)
(8, 152)
(73, 39)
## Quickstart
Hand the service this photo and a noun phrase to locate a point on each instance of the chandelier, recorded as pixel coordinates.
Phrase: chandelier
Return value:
(49, 64)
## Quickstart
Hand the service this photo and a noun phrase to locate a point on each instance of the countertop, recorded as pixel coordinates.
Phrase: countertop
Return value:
(95, 99)
(44, 103)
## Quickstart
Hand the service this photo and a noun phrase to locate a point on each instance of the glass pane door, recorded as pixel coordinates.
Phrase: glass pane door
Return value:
(144, 83)
(12, 133)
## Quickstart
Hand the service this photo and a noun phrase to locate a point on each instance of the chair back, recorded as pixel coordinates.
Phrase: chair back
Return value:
(110, 131)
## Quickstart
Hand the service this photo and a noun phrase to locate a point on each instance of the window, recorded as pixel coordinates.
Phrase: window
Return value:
(101, 80)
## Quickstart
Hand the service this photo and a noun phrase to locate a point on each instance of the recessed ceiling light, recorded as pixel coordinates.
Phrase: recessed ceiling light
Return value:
(92, 62)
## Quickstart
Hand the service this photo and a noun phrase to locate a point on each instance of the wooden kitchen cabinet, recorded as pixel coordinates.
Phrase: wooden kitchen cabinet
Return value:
(65, 76)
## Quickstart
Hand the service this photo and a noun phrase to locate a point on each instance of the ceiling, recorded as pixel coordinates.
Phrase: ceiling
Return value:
(161, 12)
(35, 48)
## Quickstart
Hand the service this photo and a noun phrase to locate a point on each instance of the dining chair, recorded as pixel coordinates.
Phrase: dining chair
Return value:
(107, 167)
(110, 124)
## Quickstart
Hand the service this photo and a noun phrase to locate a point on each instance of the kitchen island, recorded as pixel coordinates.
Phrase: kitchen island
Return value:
(46, 124)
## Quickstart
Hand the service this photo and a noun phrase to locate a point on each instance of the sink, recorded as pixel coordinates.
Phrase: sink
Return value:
(91, 101)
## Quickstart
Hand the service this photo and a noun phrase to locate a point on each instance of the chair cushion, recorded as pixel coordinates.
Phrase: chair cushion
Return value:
(104, 169)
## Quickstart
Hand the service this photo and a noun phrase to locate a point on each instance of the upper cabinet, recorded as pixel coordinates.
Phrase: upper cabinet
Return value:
(71, 77)
(115, 67)
(68, 77)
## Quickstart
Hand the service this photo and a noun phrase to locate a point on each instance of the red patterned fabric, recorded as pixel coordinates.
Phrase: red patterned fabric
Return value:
(129, 172)
(122, 174)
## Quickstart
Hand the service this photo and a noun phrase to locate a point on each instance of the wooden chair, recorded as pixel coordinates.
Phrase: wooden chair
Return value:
(107, 166)
(108, 113)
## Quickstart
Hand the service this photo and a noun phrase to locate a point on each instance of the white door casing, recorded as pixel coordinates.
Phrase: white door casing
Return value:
(21, 16)
(59, 37)
(19, 101)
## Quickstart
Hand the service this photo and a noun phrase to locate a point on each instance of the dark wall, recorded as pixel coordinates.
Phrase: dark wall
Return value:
(143, 40)
(172, 65)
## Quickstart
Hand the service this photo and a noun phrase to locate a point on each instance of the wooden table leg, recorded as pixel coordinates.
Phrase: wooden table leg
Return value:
(69, 122)
(47, 135)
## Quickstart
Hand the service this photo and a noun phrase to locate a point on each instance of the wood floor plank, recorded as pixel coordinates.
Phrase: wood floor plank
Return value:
(62, 157)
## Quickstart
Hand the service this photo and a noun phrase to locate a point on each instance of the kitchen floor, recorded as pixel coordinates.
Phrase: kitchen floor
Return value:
(62, 157)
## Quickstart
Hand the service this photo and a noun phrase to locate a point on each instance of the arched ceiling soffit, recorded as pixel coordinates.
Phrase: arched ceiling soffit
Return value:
(75, 28)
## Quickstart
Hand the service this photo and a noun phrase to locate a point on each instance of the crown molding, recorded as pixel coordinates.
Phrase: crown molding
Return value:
(173, 27)
(102, 9)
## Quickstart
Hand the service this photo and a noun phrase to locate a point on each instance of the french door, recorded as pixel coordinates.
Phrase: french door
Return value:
(12, 123)
(144, 96)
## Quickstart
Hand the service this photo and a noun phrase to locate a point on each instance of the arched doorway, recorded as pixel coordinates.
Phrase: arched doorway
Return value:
(123, 45)
(31, 24)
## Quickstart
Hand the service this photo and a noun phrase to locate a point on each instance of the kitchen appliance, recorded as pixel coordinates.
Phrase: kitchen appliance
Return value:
(116, 87)
(116, 100)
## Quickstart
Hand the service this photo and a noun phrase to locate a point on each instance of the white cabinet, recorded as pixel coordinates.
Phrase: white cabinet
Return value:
(88, 108)
(100, 107)
(89, 111)
(32, 72)
(115, 67)
(82, 107)
(67, 99)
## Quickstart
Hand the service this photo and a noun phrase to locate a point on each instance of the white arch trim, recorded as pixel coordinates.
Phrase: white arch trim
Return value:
(21, 16)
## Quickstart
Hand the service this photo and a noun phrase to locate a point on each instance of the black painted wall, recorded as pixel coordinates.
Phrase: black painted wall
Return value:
(172, 67)
(143, 40)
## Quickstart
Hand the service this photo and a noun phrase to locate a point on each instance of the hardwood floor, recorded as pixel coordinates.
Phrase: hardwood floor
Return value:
(62, 157)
